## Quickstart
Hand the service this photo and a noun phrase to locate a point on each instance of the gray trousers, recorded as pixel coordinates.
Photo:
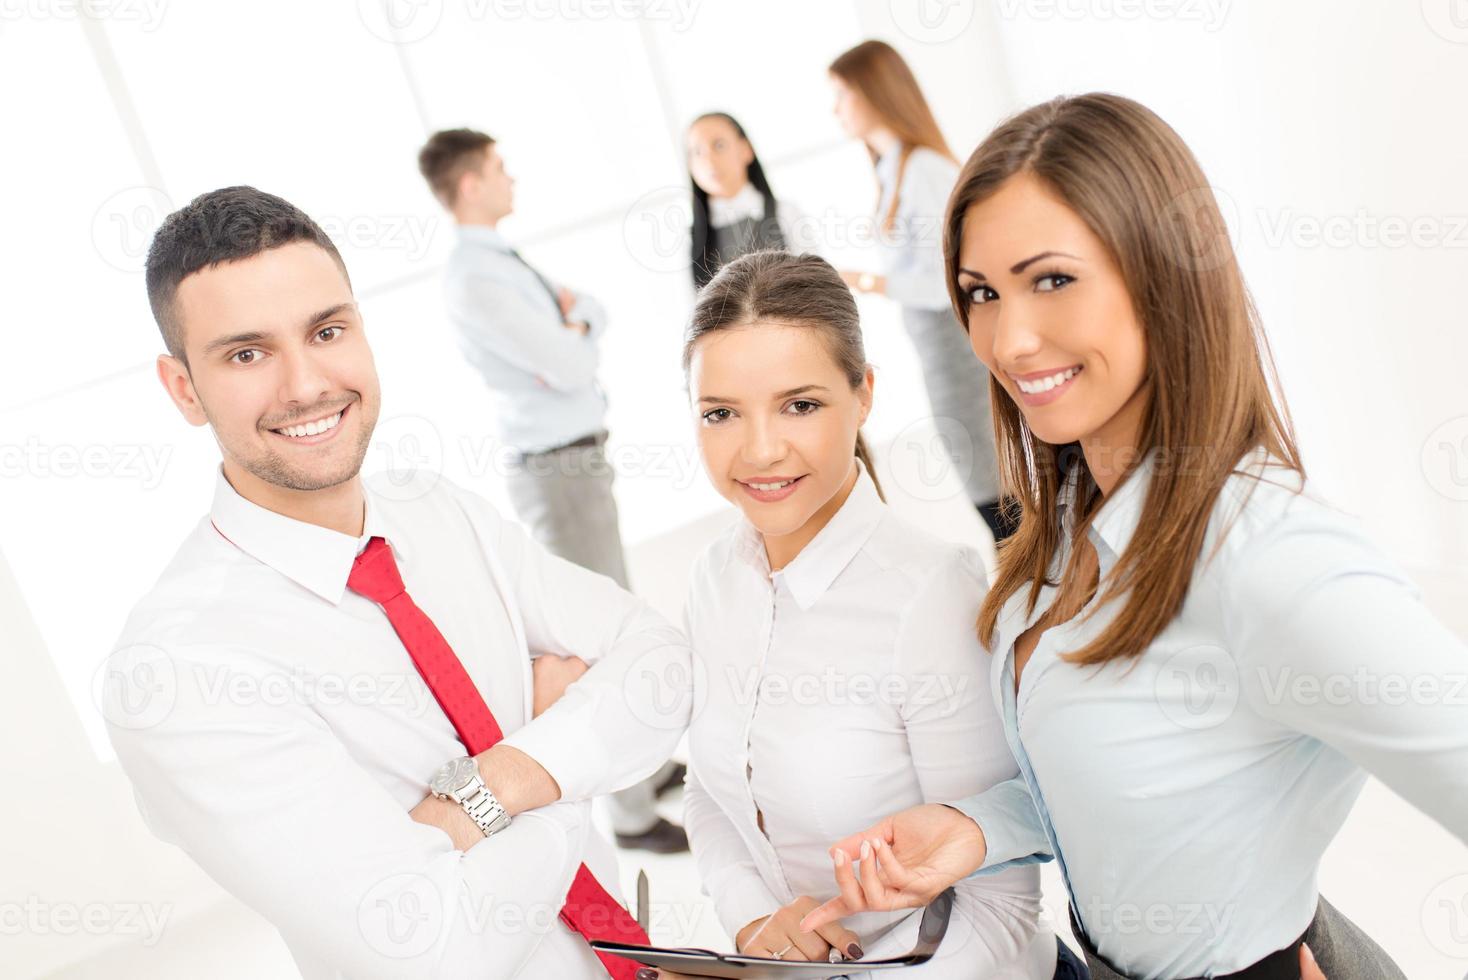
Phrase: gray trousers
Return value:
(1341, 949)
(565, 497)
(957, 384)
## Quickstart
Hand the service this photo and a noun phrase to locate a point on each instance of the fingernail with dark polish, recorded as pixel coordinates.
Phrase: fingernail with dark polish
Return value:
(647, 974)
(853, 951)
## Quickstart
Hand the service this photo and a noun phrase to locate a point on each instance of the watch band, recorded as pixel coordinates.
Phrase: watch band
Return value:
(485, 811)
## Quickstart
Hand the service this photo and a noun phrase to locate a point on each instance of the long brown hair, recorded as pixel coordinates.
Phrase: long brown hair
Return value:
(1212, 392)
(877, 72)
(799, 289)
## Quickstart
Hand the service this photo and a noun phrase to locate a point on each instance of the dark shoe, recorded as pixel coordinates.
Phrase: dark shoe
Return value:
(673, 780)
(663, 838)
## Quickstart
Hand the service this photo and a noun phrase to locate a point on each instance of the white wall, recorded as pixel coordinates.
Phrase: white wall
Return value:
(1298, 113)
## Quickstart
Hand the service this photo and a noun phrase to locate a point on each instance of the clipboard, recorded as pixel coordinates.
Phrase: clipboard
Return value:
(706, 963)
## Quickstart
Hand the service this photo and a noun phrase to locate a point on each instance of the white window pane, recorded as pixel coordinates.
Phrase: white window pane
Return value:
(570, 101)
(301, 100)
(78, 220)
(763, 62)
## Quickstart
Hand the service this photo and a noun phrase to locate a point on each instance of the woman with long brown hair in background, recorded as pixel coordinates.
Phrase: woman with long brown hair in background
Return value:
(1184, 638)
(878, 101)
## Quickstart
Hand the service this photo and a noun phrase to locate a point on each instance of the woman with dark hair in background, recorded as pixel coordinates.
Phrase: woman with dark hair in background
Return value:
(734, 210)
(836, 663)
(878, 102)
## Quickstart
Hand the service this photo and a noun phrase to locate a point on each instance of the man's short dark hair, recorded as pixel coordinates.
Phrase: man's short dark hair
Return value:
(225, 225)
(447, 156)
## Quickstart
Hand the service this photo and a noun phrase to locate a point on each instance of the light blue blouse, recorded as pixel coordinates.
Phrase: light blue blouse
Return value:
(1189, 793)
(911, 251)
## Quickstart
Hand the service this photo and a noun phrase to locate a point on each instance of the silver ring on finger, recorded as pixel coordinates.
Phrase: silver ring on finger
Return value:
(782, 952)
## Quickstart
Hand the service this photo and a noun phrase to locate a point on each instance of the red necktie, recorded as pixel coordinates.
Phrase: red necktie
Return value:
(589, 910)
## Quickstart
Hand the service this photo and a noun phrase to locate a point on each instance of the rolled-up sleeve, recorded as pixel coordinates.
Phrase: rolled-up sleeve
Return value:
(270, 803)
(622, 719)
(1013, 834)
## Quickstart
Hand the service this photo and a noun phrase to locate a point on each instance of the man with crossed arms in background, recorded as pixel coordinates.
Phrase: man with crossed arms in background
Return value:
(535, 344)
(376, 817)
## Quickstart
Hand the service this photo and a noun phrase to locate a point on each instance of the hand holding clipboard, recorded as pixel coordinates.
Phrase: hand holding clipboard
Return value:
(706, 963)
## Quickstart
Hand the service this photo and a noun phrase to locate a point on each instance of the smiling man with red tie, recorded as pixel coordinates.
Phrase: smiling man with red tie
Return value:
(375, 710)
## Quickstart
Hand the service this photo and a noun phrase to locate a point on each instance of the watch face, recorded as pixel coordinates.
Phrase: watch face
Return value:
(453, 775)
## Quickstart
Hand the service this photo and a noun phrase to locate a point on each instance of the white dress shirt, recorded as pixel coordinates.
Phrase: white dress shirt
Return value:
(1188, 793)
(541, 374)
(911, 252)
(844, 687)
(289, 734)
(800, 233)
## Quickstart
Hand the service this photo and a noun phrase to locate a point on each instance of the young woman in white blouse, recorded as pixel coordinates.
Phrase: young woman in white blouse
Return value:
(878, 101)
(836, 667)
(1193, 654)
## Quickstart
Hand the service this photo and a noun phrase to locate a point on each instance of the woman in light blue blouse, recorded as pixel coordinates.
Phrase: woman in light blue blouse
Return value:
(1192, 654)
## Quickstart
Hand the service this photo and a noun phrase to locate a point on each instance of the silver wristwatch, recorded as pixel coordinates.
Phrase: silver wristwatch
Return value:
(459, 780)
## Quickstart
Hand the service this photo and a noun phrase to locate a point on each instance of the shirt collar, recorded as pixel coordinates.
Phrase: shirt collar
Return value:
(1115, 523)
(747, 203)
(813, 571)
(317, 558)
(483, 235)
